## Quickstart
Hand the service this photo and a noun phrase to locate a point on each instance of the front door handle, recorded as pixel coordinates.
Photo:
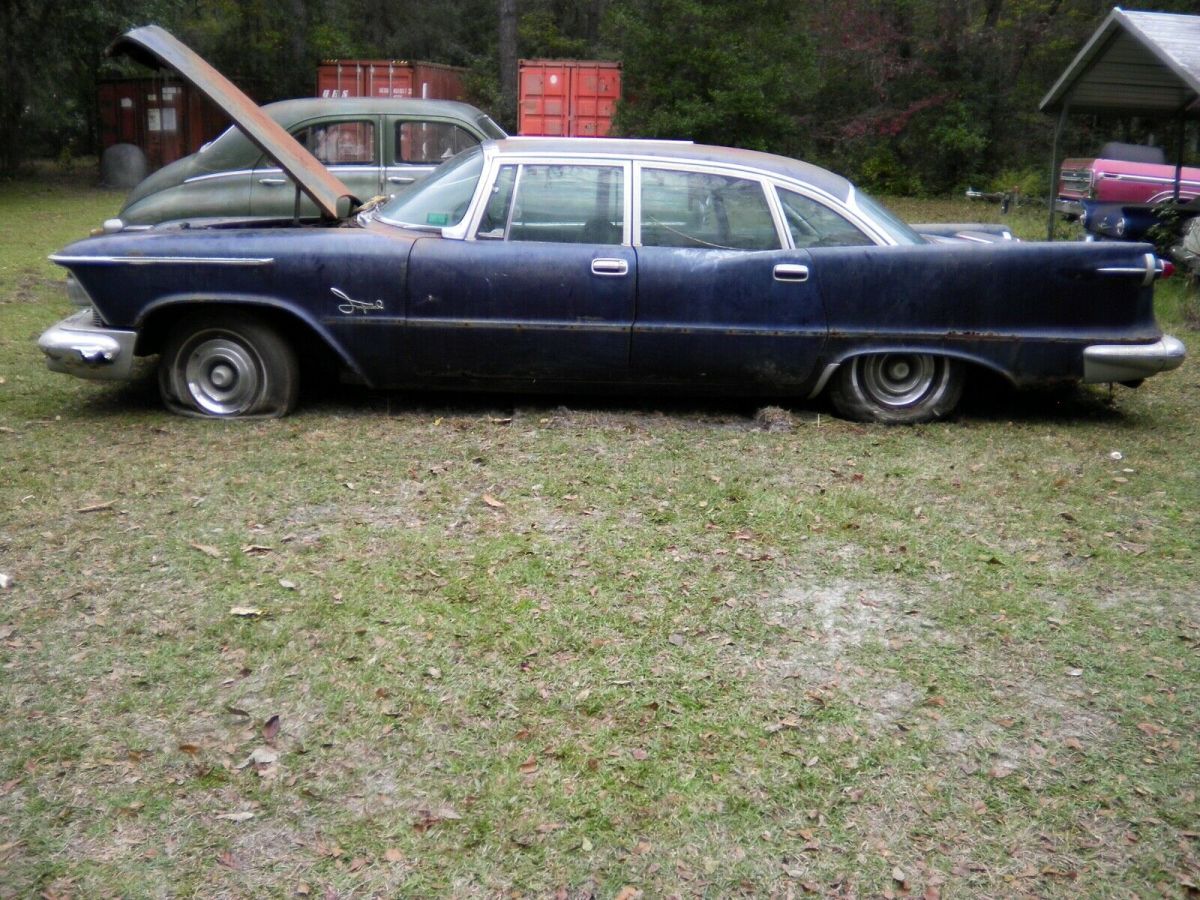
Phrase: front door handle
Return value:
(400, 179)
(272, 182)
(791, 272)
(610, 267)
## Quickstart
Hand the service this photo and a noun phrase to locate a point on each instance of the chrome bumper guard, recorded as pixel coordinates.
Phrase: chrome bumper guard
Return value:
(77, 346)
(1131, 362)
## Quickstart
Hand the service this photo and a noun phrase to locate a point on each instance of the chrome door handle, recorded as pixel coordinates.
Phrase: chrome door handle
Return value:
(610, 267)
(272, 182)
(791, 272)
(400, 179)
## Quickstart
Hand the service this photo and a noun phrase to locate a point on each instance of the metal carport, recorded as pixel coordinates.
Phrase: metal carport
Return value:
(1143, 63)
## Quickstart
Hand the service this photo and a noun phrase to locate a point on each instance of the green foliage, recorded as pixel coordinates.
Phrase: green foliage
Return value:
(541, 36)
(919, 96)
(882, 172)
(719, 73)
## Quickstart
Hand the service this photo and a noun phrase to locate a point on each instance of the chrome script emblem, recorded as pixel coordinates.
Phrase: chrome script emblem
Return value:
(352, 306)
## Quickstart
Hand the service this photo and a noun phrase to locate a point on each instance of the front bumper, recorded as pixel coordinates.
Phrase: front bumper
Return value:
(78, 346)
(1072, 209)
(1131, 362)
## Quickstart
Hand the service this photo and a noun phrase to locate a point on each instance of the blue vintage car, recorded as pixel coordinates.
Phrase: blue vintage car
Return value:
(571, 263)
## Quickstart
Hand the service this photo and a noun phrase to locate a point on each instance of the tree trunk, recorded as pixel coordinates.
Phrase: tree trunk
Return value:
(508, 63)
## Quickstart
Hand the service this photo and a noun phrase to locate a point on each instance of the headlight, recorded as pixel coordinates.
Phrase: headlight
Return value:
(75, 292)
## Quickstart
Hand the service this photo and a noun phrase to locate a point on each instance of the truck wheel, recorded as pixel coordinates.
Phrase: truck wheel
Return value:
(228, 365)
(897, 388)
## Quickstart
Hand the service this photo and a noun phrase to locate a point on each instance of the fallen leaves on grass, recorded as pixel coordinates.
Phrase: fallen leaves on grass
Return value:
(244, 816)
(492, 502)
(246, 612)
(428, 818)
(207, 550)
(270, 729)
(97, 507)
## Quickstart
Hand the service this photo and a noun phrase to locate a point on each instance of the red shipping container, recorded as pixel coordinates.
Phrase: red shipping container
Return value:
(167, 119)
(568, 97)
(389, 78)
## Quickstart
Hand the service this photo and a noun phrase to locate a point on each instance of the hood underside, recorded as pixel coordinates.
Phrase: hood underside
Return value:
(156, 47)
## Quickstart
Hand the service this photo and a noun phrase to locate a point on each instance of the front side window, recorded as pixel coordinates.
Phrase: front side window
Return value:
(340, 143)
(564, 204)
(707, 210)
(813, 224)
(430, 143)
(441, 200)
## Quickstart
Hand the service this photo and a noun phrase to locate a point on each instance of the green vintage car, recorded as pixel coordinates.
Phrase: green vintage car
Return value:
(373, 145)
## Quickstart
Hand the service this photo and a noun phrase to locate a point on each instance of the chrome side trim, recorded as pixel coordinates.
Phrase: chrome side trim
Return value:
(232, 173)
(162, 260)
(1148, 270)
(1103, 363)
(826, 374)
(519, 325)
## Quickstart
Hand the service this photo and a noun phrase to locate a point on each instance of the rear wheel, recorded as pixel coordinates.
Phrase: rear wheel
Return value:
(228, 365)
(897, 388)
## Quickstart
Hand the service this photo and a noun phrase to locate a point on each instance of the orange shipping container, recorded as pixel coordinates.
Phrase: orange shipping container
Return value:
(568, 97)
(389, 78)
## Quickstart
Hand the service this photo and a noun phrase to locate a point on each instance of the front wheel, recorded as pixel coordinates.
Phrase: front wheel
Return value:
(227, 365)
(897, 388)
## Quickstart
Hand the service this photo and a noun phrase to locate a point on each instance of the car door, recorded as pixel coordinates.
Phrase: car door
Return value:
(415, 147)
(348, 146)
(720, 299)
(543, 289)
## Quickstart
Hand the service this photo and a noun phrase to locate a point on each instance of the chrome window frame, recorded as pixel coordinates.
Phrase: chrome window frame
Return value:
(703, 168)
(633, 164)
(493, 162)
(851, 214)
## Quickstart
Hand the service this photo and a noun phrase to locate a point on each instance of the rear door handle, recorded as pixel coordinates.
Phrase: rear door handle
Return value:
(272, 182)
(791, 272)
(400, 179)
(610, 267)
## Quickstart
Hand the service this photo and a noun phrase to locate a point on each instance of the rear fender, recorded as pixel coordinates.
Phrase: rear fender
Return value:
(972, 360)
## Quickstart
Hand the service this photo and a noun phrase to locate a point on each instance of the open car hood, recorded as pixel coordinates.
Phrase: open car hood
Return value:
(156, 47)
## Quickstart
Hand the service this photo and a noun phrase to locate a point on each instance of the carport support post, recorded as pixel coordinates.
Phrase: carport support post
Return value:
(1179, 156)
(1058, 130)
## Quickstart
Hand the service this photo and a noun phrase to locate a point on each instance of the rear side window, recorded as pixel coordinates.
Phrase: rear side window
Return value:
(340, 143)
(703, 209)
(429, 143)
(813, 224)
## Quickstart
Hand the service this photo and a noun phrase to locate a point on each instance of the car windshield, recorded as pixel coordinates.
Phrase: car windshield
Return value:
(441, 200)
(490, 128)
(884, 218)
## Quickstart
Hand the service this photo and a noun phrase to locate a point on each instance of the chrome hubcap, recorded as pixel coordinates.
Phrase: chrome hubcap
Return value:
(900, 379)
(222, 376)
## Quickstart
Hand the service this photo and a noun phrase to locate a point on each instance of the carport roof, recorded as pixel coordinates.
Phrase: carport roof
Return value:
(1146, 63)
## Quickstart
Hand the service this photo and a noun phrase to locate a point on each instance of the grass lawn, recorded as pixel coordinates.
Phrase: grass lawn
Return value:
(416, 645)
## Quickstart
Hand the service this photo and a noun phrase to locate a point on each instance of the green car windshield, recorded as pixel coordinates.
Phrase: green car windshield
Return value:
(441, 200)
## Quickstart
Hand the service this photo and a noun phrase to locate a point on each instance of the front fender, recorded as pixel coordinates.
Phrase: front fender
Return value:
(154, 319)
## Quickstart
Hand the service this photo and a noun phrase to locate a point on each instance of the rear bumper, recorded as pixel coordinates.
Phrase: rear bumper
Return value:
(77, 346)
(1131, 362)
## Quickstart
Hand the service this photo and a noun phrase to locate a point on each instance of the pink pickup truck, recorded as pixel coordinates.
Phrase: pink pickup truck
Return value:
(1123, 173)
